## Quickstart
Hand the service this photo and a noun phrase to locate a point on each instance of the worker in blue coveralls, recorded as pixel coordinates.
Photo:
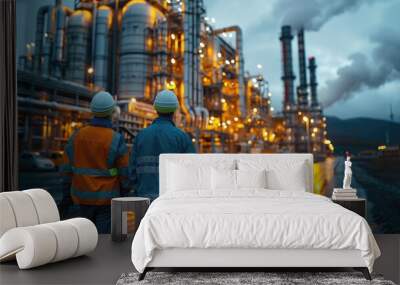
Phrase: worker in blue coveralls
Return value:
(162, 136)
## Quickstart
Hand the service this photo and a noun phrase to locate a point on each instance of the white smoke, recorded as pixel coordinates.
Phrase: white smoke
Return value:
(313, 14)
(366, 72)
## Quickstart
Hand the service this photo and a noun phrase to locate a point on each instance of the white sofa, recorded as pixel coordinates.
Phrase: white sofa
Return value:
(31, 230)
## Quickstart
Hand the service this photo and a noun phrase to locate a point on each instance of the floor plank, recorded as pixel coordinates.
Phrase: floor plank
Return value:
(110, 260)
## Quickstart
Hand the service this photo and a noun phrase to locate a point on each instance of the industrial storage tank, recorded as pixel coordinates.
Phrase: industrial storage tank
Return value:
(78, 37)
(138, 21)
(101, 52)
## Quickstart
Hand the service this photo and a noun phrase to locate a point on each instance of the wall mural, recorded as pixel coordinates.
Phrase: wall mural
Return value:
(69, 50)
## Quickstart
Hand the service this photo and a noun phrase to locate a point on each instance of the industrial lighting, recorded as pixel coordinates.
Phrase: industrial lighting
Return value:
(201, 55)
(173, 61)
(315, 130)
(213, 20)
(206, 18)
(202, 44)
(193, 140)
(272, 109)
(232, 61)
(207, 28)
(219, 54)
(223, 100)
(230, 35)
(224, 34)
(259, 66)
(90, 70)
(255, 110)
(270, 94)
(173, 36)
(236, 119)
(227, 61)
(171, 85)
(305, 119)
(249, 142)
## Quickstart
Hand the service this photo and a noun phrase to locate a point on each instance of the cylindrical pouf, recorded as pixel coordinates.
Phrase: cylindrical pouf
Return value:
(23, 208)
(33, 246)
(67, 240)
(126, 214)
(7, 218)
(45, 205)
(87, 235)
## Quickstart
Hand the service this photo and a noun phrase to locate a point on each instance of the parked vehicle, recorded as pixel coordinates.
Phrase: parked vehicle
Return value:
(35, 161)
(55, 156)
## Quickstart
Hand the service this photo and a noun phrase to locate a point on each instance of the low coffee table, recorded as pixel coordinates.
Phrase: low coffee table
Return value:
(126, 214)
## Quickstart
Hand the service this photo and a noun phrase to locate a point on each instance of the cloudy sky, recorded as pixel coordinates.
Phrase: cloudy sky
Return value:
(356, 44)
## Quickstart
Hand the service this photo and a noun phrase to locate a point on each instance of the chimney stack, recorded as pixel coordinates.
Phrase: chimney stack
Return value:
(302, 94)
(288, 75)
(313, 82)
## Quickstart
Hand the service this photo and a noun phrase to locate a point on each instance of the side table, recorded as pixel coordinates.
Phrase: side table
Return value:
(126, 214)
(358, 205)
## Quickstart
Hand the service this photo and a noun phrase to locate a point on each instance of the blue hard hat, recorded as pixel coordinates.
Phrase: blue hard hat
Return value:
(166, 102)
(102, 104)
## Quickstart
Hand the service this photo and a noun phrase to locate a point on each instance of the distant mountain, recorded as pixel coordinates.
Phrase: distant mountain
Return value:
(359, 134)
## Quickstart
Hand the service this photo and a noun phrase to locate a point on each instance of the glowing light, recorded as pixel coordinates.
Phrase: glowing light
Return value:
(223, 100)
(272, 109)
(254, 80)
(315, 130)
(249, 142)
(90, 70)
(227, 61)
(173, 61)
(173, 36)
(381, 147)
(255, 110)
(232, 61)
(207, 28)
(230, 35)
(193, 140)
(202, 44)
(236, 119)
(305, 119)
(224, 34)
(171, 85)
(259, 66)
(219, 54)
(201, 55)
(213, 20)
(327, 141)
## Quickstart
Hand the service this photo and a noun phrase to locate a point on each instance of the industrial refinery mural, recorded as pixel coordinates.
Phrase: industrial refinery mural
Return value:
(68, 50)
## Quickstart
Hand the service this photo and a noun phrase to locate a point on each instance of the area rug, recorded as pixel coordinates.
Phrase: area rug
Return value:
(243, 278)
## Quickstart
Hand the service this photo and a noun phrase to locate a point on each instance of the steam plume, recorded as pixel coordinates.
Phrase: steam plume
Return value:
(313, 14)
(363, 72)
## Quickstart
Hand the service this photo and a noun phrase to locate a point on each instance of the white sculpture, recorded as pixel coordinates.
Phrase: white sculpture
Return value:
(347, 173)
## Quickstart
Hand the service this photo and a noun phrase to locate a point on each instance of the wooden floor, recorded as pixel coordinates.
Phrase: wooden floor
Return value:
(110, 260)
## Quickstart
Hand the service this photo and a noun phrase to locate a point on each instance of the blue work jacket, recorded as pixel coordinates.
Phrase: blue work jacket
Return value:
(162, 136)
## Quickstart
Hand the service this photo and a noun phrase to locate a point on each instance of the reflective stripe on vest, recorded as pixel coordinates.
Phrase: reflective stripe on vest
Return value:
(95, 172)
(94, 195)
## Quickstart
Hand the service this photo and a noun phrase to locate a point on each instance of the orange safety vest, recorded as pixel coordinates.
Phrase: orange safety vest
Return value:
(97, 158)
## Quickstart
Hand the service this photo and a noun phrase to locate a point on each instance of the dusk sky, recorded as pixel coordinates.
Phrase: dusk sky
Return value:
(341, 30)
(356, 44)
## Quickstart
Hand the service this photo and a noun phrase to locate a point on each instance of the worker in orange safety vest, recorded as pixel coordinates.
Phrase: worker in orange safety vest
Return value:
(96, 162)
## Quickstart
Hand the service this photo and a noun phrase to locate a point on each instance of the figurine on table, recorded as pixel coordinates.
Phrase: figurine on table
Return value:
(347, 172)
